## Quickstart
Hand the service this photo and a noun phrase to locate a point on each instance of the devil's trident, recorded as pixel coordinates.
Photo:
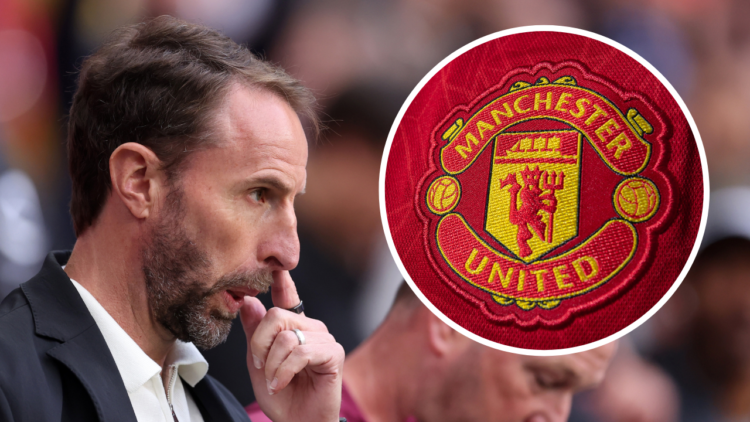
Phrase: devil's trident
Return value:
(552, 182)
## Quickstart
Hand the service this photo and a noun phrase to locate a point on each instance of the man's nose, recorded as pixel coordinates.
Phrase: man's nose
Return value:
(559, 406)
(555, 408)
(280, 245)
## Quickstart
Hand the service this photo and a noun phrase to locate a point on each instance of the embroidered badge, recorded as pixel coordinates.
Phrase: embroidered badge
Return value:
(544, 198)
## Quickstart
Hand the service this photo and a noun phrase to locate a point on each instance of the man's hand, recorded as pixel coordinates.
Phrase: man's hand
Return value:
(292, 382)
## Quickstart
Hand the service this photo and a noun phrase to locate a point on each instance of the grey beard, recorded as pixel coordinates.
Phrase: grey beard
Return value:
(176, 272)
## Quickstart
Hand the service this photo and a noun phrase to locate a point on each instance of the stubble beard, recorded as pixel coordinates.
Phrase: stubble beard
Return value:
(178, 281)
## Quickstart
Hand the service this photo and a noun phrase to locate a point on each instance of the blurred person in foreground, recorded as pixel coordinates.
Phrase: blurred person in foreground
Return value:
(186, 153)
(416, 368)
(705, 327)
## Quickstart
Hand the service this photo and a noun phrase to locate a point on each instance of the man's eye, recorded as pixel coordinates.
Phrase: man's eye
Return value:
(258, 195)
(549, 381)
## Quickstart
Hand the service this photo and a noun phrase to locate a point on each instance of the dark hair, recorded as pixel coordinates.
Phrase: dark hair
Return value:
(724, 252)
(158, 84)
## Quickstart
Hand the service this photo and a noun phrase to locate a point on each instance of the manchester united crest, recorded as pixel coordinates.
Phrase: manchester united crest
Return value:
(537, 142)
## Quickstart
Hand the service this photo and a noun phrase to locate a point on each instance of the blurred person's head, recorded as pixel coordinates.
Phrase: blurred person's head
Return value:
(186, 152)
(323, 46)
(720, 279)
(438, 374)
(709, 315)
(340, 209)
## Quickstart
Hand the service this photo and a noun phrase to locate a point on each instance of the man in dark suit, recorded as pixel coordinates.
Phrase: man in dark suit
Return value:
(186, 153)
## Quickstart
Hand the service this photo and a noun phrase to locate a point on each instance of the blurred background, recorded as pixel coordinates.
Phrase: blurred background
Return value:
(362, 58)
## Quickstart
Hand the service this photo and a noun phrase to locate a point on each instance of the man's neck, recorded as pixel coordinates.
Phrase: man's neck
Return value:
(374, 375)
(108, 266)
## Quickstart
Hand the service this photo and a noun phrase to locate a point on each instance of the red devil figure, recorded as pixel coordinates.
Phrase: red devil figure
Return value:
(527, 216)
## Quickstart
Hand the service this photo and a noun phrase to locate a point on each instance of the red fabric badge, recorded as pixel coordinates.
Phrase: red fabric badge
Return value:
(544, 190)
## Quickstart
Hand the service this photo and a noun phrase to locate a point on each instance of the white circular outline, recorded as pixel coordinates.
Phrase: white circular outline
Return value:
(384, 216)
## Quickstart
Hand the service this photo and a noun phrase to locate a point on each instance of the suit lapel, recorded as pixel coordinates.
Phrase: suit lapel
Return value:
(216, 405)
(59, 313)
(88, 357)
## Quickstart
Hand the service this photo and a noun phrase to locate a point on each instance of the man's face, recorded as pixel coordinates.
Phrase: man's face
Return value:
(229, 221)
(486, 384)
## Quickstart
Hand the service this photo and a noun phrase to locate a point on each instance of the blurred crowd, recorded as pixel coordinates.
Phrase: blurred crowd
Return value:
(362, 58)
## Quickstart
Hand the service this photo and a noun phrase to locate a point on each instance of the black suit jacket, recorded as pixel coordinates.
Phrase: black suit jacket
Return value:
(56, 366)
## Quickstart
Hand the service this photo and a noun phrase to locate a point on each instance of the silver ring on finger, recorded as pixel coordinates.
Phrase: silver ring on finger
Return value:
(300, 336)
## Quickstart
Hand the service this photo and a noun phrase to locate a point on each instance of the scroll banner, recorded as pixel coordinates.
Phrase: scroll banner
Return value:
(545, 282)
(614, 138)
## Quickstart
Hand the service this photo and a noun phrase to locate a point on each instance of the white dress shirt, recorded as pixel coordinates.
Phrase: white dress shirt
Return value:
(142, 376)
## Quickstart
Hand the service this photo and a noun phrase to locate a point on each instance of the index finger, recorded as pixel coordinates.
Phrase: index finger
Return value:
(284, 291)
(275, 321)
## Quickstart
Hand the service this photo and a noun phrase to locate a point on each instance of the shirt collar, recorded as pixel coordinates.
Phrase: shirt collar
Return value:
(135, 366)
(191, 365)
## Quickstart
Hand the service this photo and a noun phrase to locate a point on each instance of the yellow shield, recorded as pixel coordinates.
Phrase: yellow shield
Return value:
(532, 206)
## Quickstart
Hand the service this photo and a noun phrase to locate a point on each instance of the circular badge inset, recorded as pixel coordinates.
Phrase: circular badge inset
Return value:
(544, 190)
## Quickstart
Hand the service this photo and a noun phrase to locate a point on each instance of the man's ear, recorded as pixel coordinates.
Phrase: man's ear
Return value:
(136, 179)
(443, 340)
